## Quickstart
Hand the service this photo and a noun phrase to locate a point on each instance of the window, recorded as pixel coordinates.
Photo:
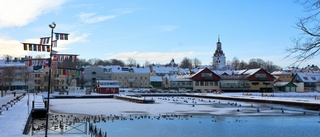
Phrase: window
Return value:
(261, 75)
(206, 74)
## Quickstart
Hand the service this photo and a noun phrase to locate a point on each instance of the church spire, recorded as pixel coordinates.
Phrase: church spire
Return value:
(219, 44)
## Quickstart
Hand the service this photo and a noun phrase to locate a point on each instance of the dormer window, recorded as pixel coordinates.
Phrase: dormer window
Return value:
(131, 70)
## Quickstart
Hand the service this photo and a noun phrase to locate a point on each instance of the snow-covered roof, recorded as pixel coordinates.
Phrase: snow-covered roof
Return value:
(164, 69)
(156, 78)
(130, 70)
(281, 72)
(280, 84)
(309, 77)
(248, 71)
(11, 64)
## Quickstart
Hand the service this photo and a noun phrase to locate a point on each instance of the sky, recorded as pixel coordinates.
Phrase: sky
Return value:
(155, 30)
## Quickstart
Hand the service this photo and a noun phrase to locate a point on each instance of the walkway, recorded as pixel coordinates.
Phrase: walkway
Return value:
(13, 120)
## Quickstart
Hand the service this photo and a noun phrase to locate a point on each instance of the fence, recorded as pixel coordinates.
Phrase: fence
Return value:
(96, 132)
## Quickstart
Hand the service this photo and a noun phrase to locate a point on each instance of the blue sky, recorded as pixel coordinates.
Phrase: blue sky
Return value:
(155, 30)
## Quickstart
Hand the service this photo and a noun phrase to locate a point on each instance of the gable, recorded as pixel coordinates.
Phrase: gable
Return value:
(261, 75)
(205, 75)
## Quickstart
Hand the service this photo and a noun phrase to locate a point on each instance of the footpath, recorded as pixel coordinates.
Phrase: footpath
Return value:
(14, 119)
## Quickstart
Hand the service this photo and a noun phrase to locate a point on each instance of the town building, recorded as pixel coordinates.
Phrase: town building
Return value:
(13, 74)
(218, 58)
(259, 79)
(131, 77)
(93, 73)
(107, 87)
(306, 81)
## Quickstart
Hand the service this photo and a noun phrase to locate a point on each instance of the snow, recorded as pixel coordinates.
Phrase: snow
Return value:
(13, 120)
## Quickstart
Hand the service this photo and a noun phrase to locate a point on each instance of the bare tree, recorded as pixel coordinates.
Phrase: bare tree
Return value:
(235, 63)
(147, 63)
(7, 77)
(132, 62)
(95, 61)
(243, 65)
(186, 63)
(24, 75)
(307, 45)
(7, 58)
(196, 62)
(117, 62)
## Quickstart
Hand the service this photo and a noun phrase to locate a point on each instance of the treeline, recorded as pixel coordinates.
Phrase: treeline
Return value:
(253, 63)
(234, 64)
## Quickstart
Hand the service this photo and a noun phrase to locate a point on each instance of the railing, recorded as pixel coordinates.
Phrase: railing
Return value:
(59, 124)
(96, 132)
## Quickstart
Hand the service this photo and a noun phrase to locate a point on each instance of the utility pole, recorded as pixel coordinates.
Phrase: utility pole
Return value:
(52, 26)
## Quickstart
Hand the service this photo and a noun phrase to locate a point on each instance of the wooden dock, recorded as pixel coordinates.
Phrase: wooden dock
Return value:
(135, 99)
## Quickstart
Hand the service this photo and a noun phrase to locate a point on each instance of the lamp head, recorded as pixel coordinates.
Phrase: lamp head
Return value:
(53, 25)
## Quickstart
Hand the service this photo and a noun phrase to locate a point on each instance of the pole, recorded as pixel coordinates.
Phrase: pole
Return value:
(52, 26)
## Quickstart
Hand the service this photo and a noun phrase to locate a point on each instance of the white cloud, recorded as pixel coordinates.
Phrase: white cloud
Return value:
(21, 12)
(169, 28)
(74, 37)
(11, 47)
(92, 18)
(15, 48)
(154, 57)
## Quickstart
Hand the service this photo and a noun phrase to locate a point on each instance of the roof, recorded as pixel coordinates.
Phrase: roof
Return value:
(309, 77)
(11, 64)
(164, 69)
(156, 78)
(248, 71)
(145, 70)
(281, 73)
(282, 84)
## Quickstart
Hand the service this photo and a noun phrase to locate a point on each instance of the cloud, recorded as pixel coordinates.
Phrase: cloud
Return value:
(74, 37)
(168, 28)
(15, 48)
(155, 57)
(21, 12)
(90, 18)
(11, 47)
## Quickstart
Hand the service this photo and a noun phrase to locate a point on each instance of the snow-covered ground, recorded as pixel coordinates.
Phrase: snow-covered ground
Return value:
(13, 120)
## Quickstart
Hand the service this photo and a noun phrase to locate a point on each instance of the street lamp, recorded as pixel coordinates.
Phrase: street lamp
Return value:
(52, 26)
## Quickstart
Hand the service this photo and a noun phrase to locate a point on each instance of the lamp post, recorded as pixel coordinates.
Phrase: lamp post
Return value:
(52, 26)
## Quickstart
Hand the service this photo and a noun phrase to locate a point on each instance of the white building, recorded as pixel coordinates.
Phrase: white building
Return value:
(218, 59)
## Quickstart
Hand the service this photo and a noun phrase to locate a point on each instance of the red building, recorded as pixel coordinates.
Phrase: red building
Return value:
(107, 86)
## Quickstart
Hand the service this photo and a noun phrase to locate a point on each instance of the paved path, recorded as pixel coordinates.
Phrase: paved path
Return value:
(8, 97)
(14, 119)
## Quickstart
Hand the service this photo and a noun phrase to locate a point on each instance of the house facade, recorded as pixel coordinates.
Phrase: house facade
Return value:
(107, 87)
(205, 80)
(306, 81)
(259, 79)
(131, 77)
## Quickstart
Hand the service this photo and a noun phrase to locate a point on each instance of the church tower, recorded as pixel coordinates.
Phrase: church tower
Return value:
(218, 59)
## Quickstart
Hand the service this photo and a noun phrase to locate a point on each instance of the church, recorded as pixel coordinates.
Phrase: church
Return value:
(218, 58)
